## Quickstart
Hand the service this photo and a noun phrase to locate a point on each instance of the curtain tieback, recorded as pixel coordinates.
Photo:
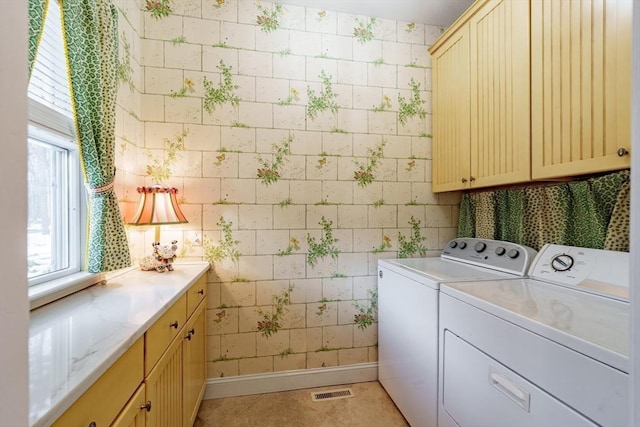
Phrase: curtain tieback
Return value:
(100, 190)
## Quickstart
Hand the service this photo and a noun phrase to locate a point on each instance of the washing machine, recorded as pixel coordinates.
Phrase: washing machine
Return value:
(548, 350)
(408, 315)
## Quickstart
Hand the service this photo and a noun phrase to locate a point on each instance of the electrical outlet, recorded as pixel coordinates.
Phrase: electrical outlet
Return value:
(195, 237)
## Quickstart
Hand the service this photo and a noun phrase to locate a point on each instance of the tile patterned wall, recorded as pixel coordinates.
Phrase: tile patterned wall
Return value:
(299, 140)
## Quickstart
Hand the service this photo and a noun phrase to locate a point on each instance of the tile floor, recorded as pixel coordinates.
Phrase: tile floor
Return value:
(370, 407)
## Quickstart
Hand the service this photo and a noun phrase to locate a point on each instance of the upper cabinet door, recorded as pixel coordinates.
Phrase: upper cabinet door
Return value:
(500, 100)
(451, 121)
(581, 86)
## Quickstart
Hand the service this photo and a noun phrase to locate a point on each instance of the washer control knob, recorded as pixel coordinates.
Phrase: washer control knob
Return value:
(513, 253)
(462, 245)
(453, 244)
(480, 246)
(381, 274)
(562, 262)
(500, 251)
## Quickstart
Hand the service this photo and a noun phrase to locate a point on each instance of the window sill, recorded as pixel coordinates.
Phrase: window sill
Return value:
(47, 292)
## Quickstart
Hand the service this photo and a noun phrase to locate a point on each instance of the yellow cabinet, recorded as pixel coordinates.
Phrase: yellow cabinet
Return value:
(581, 86)
(500, 115)
(135, 413)
(175, 385)
(481, 101)
(196, 294)
(165, 329)
(164, 389)
(195, 365)
(160, 380)
(102, 402)
(451, 119)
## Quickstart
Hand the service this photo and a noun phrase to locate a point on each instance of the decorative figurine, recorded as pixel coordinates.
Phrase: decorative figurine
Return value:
(162, 258)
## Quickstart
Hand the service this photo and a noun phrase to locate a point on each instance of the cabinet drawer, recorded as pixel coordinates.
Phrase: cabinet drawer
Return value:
(160, 334)
(102, 402)
(196, 293)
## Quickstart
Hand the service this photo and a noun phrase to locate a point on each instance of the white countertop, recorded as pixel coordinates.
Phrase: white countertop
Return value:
(76, 339)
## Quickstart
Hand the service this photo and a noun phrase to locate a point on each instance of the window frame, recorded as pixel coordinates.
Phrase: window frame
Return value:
(72, 195)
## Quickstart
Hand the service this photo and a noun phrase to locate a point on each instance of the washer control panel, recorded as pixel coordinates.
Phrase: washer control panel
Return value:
(592, 270)
(495, 254)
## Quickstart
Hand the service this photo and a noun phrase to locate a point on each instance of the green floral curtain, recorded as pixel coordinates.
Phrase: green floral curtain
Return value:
(592, 213)
(91, 37)
(37, 15)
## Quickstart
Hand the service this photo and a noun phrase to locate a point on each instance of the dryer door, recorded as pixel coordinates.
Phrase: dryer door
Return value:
(480, 391)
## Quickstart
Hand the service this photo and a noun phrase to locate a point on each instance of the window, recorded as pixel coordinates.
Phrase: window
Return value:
(55, 218)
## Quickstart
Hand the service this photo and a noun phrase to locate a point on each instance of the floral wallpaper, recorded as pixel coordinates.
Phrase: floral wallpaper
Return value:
(299, 141)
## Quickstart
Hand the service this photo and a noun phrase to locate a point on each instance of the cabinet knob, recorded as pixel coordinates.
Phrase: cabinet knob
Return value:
(92, 424)
(192, 331)
(188, 336)
(622, 152)
(146, 406)
(201, 292)
(464, 180)
(473, 178)
(174, 324)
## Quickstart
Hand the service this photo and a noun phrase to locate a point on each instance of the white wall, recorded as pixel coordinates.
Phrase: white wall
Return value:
(635, 223)
(14, 310)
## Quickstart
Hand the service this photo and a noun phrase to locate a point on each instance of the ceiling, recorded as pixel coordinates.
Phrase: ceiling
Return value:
(432, 12)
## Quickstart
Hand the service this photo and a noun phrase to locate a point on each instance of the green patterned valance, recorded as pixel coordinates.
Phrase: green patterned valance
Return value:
(592, 213)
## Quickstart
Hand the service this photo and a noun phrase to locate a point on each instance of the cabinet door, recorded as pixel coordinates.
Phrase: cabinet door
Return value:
(195, 365)
(581, 86)
(500, 101)
(164, 388)
(451, 127)
(135, 413)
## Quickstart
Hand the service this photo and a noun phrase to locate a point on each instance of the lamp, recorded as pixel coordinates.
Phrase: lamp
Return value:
(158, 206)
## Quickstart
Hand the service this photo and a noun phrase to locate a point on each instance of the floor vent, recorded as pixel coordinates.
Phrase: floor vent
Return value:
(331, 395)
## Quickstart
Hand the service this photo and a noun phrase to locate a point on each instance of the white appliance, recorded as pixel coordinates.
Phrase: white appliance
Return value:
(408, 315)
(550, 350)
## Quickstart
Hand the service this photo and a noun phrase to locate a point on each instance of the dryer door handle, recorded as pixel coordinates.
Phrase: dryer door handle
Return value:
(507, 387)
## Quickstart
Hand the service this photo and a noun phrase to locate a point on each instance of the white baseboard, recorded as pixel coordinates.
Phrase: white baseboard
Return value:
(290, 380)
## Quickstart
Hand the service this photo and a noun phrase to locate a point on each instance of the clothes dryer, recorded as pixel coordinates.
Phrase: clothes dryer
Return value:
(552, 349)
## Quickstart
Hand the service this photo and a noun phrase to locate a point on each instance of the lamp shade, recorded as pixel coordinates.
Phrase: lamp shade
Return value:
(158, 205)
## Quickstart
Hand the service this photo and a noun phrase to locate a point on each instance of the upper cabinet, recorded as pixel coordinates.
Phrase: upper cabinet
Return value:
(581, 86)
(451, 119)
(481, 105)
(500, 104)
(531, 89)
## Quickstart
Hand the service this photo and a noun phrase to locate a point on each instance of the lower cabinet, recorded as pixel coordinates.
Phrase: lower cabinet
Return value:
(169, 395)
(176, 385)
